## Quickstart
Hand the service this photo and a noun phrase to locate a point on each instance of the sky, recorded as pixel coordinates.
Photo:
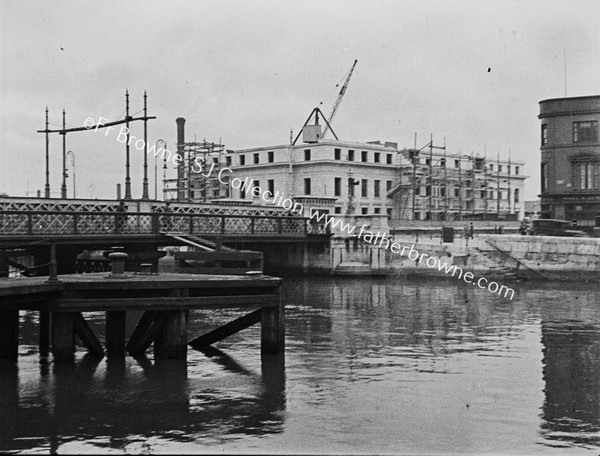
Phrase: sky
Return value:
(470, 73)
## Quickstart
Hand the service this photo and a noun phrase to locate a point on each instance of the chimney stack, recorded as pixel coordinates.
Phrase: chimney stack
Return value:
(180, 151)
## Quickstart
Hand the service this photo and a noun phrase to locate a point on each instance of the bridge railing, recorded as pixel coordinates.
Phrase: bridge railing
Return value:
(82, 223)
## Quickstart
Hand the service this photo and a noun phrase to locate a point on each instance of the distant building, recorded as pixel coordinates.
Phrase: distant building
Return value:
(532, 208)
(570, 168)
(354, 179)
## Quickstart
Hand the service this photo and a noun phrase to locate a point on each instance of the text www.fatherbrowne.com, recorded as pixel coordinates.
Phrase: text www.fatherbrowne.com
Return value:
(226, 177)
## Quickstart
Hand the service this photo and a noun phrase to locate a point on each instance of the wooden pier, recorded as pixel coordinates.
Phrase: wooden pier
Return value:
(165, 299)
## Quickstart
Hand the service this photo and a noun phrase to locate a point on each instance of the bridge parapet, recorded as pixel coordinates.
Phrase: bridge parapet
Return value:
(36, 223)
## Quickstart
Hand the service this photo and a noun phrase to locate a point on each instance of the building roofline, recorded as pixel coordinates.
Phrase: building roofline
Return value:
(586, 97)
(327, 142)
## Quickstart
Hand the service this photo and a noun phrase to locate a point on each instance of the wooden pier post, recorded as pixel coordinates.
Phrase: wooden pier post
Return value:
(63, 336)
(173, 340)
(115, 332)
(272, 322)
(45, 321)
(9, 334)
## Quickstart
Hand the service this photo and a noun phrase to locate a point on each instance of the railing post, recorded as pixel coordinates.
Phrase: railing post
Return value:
(191, 223)
(251, 224)
(75, 224)
(30, 223)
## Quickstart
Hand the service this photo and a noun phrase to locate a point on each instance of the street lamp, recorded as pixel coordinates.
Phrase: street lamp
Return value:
(156, 165)
(71, 154)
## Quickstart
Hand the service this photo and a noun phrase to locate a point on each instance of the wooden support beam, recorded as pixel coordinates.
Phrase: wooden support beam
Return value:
(227, 330)
(272, 339)
(45, 321)
(86, 335)
(148, 329)
(115, 332)
(9, 334)
(172, 343)
(63, 345)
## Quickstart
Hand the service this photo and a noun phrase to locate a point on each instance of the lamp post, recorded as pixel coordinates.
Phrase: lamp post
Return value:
(71, 154)
(156, 165)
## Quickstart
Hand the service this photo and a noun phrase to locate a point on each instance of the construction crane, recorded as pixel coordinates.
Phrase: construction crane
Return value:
(339, 99)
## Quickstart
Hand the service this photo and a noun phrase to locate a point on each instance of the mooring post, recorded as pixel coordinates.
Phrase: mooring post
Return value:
(272, 324)
(63, 336)
(115, 332)
(9, 334)
(53, 276)
(172, 342)
(44, 332)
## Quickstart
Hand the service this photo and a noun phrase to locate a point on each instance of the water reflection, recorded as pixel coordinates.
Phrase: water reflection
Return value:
(115, 402)
(571, 371)
(371, 366)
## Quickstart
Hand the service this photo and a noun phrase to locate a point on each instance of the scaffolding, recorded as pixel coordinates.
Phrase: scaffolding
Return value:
(197, 176)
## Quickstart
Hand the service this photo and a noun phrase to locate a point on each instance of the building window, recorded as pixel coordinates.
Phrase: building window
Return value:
(337, 186)
(482, 194)
(428, 162)
(337, 210)
(544, 177)
(499, 169)
(255, 185)
(388, 159)
(351, 183)
(585, 132)
(376, 189)
(491, 194)
(377, 210)
(364, 211)
(256, 159)
(544, 134)
(586, 175)
(364, 156)
(307, 186)
(491, 168)
(508, 169)
(271, 156)
(516, 195)
(457, 164)
(389, 212)
(418, 190)
(242, 160)
(417, 216)
(443, 191)
(306, 154)
(363, 188)
(457, 192)
(337, 154)
(428, 190)
(351, 155)
(388, 186)
(271, 186)
(243, 192)
(228, 160)
(376, 157)
(516, 170)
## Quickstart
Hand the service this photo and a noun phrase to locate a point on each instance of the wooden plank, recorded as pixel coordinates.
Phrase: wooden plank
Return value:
(227, 330)
(9, 334)
(141, 343)
(115, 332)
(86, 335)
(164, 303)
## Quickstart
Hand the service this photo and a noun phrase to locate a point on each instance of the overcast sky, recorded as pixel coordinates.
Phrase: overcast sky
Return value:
(246, 72)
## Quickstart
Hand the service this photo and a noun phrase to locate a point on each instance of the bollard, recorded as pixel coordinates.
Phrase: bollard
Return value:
(117, 270)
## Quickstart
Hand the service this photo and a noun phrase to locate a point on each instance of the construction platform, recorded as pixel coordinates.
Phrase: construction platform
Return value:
(165, 299)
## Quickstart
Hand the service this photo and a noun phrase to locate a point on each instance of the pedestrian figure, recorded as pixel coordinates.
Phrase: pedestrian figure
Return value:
(471, 230)
(121, 217)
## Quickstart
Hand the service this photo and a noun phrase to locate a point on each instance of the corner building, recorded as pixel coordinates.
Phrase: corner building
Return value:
(570, 167)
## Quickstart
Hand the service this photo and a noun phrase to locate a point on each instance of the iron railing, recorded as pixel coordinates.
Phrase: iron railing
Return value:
(85, 223)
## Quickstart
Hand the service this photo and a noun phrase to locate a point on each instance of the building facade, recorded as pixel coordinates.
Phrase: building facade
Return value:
(570, 166)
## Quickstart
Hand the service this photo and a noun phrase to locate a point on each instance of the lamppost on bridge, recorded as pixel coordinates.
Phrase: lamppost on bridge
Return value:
(71, 154)
(63, 188)
(145, 181)
(163, 142)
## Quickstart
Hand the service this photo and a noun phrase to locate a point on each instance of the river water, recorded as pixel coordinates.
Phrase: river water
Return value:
(371, 366)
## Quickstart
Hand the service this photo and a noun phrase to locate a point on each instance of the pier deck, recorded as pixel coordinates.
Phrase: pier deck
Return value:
(166, 300)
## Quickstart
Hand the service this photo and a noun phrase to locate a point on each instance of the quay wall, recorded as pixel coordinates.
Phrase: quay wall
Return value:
(543, 257)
